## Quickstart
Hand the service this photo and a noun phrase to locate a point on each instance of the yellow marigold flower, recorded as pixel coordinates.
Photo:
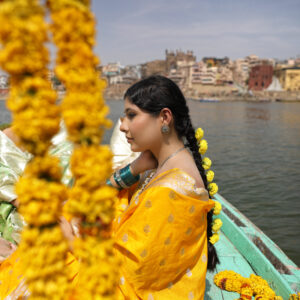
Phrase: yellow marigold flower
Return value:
(217, 224)
(99, 252)
(199, 134)
(217, 207)
(260, 286)
(92, 205)
(246, 287)
(84, 112)
(206, 163)
(203, 147)
(214, 238)
(47, 168)
(87, 161)
(40, 201)
(44, 261)
(210, 175)
(84, 119)
(213, 188)
(246, 292)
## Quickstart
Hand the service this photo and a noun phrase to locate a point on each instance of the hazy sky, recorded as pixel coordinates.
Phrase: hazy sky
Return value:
(136, 31)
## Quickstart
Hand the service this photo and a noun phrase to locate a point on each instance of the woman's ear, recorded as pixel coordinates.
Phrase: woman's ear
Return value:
(166, 116)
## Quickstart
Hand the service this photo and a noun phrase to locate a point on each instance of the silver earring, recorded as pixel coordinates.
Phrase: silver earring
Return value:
(165, 129)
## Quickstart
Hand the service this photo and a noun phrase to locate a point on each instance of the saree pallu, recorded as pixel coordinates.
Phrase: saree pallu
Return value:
(160, 237)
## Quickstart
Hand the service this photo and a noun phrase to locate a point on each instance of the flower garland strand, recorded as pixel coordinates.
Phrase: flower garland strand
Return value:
(212, 187)
(246, 287)
(43, 249)
(84, 113)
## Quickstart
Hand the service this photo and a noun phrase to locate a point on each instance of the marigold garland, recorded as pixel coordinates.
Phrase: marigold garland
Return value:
(217, 224)
(206, 163)
(43, 249)
(24, 56)
(217, 207)
(214, 238)
(199, 134)
(202, 147)
(246, 287)
(210, 175)
(212, 187)
(84, 113)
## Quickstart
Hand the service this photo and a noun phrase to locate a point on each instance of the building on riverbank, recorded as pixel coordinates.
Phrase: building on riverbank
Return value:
(289, 78)
(260, 77)
(3, 81)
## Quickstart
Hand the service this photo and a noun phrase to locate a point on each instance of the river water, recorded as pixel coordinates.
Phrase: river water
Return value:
(255, 150)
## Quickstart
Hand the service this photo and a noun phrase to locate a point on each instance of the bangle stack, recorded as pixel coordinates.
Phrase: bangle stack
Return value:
(124, 178)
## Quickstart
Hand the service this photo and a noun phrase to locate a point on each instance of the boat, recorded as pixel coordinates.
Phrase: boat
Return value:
(208, 100)
(245, 249)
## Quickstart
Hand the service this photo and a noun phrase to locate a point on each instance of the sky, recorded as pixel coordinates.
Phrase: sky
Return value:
(137, 31)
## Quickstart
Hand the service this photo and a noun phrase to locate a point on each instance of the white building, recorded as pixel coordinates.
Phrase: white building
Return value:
(3, 81)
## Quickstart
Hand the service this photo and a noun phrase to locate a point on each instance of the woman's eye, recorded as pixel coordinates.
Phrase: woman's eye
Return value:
(131, 115)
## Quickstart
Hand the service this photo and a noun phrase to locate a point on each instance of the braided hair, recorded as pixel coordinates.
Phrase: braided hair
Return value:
(152, 95)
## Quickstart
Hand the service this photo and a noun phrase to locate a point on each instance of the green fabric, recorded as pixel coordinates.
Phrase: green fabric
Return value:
(6, 225)
(12, 164)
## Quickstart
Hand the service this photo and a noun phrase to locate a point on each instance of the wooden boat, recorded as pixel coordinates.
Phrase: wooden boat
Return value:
(245, 249)
(208, 100)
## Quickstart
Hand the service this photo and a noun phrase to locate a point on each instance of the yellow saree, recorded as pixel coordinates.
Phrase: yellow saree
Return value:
(160, 236)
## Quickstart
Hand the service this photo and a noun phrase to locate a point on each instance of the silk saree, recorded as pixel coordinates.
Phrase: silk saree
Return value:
(160, 233)
(160, 237)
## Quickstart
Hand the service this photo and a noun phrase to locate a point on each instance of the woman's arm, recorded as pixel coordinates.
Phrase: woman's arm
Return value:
(6, 249)
(145, 161)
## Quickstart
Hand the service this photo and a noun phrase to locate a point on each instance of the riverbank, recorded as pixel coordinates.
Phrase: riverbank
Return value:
(256, 96)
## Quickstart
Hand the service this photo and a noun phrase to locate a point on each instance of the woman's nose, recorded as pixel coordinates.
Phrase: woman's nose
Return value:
(123, 126)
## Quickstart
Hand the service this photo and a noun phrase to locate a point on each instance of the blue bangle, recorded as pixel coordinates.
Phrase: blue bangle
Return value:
(108, 182)
(124, 178)
(127, 177)
(117, 179)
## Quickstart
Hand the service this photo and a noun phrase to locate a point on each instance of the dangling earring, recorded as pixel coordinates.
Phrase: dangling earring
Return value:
(165, 129)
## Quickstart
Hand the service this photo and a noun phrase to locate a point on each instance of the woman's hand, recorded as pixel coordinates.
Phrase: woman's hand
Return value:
(6, 249)
(146, 161)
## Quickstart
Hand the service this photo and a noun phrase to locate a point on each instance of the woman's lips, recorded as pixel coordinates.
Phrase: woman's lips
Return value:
(129, 139)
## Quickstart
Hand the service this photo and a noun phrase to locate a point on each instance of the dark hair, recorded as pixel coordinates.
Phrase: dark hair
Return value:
(152, 95)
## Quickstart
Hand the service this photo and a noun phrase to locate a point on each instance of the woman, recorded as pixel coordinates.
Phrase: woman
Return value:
(163, 220)
(163, 225)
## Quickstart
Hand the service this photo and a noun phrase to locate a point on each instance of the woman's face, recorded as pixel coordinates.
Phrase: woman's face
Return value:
(142, 130)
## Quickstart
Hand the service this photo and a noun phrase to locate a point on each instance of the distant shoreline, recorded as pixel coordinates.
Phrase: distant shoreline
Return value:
(258, 97)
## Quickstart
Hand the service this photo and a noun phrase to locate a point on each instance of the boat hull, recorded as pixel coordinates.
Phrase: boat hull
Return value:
(245, 249)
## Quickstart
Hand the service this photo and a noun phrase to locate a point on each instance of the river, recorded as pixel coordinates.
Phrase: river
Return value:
(255, 150)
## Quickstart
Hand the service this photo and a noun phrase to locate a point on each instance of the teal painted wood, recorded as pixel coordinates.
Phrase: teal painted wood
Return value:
(230, 259)
(261, 254)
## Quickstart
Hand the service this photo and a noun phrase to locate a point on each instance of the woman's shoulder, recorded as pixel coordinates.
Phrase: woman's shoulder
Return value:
(181, 182)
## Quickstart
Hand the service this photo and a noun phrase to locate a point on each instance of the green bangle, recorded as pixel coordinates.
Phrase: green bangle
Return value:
(127, 177)
(117, 179)
(108, 182)
(124, 178)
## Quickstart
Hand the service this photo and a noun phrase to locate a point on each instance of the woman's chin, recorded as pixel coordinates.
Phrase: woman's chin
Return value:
(135, 148)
